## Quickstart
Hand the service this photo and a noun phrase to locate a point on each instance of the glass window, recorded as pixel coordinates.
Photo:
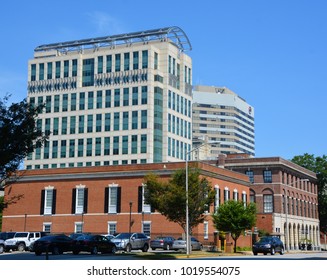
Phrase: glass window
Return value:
(267, 203)
(109, 63)
(125, 120)
(134, 144)
(116, 145)
(135, 60)
(100, 64)
(116, 121)
(250, 174)
(66, 68)
(135, 96)
(117, 98)
(58, 69)
(98, 123)
(98, 146)
(90, 100)
(125, 145)
(48, 201)
(267, 176)
(73, 102)
(126, 61)
(99, 99)
(88, 72)
(49, 71)
(89, 147)
(82, 100)
(135, 120)
(107, 122)
(108, 98)
(72, 148)
(113, 199)
(80, 147)
(89, 123)
(107, 146)
(117, 62)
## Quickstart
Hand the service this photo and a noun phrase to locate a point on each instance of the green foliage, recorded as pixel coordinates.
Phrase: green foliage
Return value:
(234, 217)
(319, 166)
(169, 197)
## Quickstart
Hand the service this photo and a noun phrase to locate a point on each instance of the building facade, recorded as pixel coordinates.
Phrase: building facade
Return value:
(220, 115)
(106, 199)
(122, 99)
(286, 195)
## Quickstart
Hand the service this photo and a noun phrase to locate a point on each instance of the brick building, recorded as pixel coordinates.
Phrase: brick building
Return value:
(286, 195)
(104, 199)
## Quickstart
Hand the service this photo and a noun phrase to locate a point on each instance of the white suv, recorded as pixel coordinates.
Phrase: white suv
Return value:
(22, 241)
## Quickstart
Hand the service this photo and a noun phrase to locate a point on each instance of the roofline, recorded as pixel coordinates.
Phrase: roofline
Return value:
(174, 33)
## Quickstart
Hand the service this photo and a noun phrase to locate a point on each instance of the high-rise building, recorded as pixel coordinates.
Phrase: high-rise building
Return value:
(222, 117)
(122, 99)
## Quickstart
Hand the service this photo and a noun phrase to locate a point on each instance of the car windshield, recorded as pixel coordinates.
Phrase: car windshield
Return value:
(123, 236)
(265, 240)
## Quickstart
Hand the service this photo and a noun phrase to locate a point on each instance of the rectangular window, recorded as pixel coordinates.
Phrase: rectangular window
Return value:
(112, 199)
(143, 143)
(73, 102)
(134, 144)
(48, 201)
(58, 66)
(98, 127)
(135, 120)
(217, 198)
(56, 103)
(146, 228)
(33, 72)
(63, 149)
(109, 64)
(74, 68)
(47, 227)
(72, 125)
(99, 99)
(144, 95)
(100, 64)
(250, 174)
(98, 146)
(88, 72)
(117, 98)
(125, 145)
(72, 148)
(117, 62)
(79, 200)
(107, 146)
(126, 97)
(82, 100)
(64, 126)
(267, 203)
(108, 98)
(135, 60)
(112, 228)
(65, 102)
(116, 145)
(66, 68)
(116, 121)
(125, 120)
(107, 120)
(81, 124)
(80, 148)
(267, 176)
(89, 147)
(144, 59)
(41, 71)
(156, 60)
(144, 118)
(205, 230)
(135, 95)
(90, 100)
(49, 71)
(55, 149)
(126, 61)
(89, 123)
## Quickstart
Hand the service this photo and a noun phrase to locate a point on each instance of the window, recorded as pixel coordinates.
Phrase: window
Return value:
(78, 227)
(217, 198)
(112, 199)
(142, 206)
(267, 203)
(80, 194)
(267, 176)
(244, 198)
(205, 230)
(48, 201)
(235, 195)
(146, 228)
(250, 174)
(47, 227)
(112, 228)
(226, 194)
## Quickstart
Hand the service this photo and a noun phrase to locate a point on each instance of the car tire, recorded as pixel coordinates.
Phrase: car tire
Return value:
(281, 251)
(21, 247)
(75, 252)
(2, 249)
(272, 252)
(255, 253)
(94, 250)
(145, 248)
(167, 247)
(128, 248)
(38, 253)
(113, 249)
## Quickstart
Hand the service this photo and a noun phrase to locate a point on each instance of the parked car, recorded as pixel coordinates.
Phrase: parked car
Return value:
(268, 244)
(56, 244)
(132, 241)
(180, 244)
(3, 237)
(93, 243)
(76, 235)
(162, 242)
(22, 240)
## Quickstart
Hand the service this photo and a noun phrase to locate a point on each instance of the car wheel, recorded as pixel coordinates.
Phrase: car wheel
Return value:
(128, 248)
(272, 252)
(94, 250)
(153, 248)
(255, 253)
(75, 252)
(21, 247)
(1, 249)
(281, 251)
(145, 248)
(167, 247)
(113, 249)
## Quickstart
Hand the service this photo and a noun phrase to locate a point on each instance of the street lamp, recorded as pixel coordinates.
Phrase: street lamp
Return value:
(286, 212)
(188, 247)
(130, 216)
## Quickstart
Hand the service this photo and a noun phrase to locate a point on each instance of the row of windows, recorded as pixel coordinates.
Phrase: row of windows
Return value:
(93, 100)
(109, 63)
(94, 123)
(88, 163)
(99, 146)
(179, 126)
(179, 103)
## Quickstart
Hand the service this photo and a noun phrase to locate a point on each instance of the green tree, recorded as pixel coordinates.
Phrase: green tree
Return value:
(19, 136)
(169, 197)
(234, 217)
(319, 166)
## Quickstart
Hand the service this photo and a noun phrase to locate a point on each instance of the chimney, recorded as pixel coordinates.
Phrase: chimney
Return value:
(221, 160)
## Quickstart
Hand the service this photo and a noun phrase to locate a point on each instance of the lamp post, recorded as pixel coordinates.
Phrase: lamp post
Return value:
(130, 216)
(188, 244)
(286, 212)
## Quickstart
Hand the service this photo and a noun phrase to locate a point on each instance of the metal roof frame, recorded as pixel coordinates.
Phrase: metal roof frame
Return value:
(174, 33)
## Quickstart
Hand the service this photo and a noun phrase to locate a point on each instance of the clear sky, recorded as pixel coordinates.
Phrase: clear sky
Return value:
(272, 53)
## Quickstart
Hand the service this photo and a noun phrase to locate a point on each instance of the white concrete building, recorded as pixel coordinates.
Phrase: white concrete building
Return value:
(122, 99)
(220, 115)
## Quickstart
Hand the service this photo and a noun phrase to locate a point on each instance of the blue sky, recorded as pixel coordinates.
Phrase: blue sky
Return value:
(272, 53)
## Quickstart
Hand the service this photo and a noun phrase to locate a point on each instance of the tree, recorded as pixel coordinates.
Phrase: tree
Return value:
(235, 217)
(169, 197)
(19, 136)
(319, 166)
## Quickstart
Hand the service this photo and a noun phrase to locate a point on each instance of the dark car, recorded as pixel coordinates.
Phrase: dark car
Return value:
(93, 243)
(162, 242)
(76, 235)
(56, 244)
(268, 244)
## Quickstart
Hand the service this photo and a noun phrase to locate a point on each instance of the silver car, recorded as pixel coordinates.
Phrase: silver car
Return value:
(131, 241)
(180, 244)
